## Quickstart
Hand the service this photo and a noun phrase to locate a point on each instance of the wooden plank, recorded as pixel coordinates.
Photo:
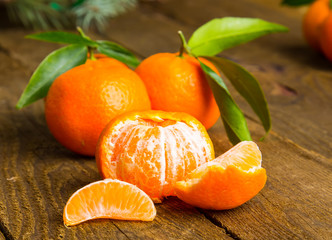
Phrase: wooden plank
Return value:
(38, 176)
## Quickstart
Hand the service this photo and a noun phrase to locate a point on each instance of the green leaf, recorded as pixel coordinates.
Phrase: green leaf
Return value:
(62, 37)
(118, 52)
(223, 33)
(56, 63)
(296, 3)
(247, 86)
(233, 118)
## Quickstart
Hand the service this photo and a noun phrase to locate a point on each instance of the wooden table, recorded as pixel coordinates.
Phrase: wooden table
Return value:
(38, 175)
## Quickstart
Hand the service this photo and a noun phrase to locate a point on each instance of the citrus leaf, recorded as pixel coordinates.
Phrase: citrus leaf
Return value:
(56, 63)
(118, 52)
(223, 33)
(233, 118)
(296, 2)
(62, 37)
(247, 85)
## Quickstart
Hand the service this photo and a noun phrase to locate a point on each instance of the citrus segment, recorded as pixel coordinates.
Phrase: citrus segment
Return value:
(153, 150)
(226, 182)
(108, 199)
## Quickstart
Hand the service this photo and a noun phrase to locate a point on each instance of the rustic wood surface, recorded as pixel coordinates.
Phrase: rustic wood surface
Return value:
(37, 175)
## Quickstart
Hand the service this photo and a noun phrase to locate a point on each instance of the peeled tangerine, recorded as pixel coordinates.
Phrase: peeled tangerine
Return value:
(226, 182)
(153, 150)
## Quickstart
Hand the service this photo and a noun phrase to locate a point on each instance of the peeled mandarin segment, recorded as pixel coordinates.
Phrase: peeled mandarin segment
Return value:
(220, 188)
(153, 150)
(108, 199)
(244, 155)
(226, 182)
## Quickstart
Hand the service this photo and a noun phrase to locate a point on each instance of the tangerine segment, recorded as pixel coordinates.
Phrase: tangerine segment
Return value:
(219, 188)
(153, 150)
(226, 182)
(245, 155)
(108, 199)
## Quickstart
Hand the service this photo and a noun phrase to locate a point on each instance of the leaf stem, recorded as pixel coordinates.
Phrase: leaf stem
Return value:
(184, 46)
(79, 29)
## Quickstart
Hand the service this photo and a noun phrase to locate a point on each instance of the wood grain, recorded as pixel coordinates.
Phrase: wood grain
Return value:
(37, 175)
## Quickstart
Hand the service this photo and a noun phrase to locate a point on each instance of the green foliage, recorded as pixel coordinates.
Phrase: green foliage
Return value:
(296, 3)
(66, 58)
(62, 37)
(50, 68)
(223, 33)
(231, 114)
(247, 85)
(211, 39)
(118, 52)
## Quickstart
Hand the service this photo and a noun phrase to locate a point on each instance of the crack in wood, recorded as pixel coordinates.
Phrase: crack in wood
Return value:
(217, 223)
(121, 231)
(5, 231)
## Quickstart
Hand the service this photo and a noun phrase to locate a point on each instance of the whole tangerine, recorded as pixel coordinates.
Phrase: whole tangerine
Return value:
(178, 84)
(84, 99)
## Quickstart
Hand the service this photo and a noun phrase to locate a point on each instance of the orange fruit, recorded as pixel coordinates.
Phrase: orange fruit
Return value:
(226, 182)
(326, 37)
(153, 150)
(108, 199)
(84, 99)
(312, 21)
(178, 84)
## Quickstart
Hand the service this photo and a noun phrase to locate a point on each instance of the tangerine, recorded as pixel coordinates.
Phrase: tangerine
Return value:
(153, 150)
(326, 37)
(108, 199)
(312, 21)
(178, 84)
(226, 182)
(84, 99)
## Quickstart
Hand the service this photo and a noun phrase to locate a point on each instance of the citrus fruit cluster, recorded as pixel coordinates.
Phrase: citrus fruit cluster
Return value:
(317, 26)
(147, 127)
(84, 99)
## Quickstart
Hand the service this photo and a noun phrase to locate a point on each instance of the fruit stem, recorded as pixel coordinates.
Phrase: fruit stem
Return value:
(90, 49)
(331, 4)
(91, 55)
(184, 47)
